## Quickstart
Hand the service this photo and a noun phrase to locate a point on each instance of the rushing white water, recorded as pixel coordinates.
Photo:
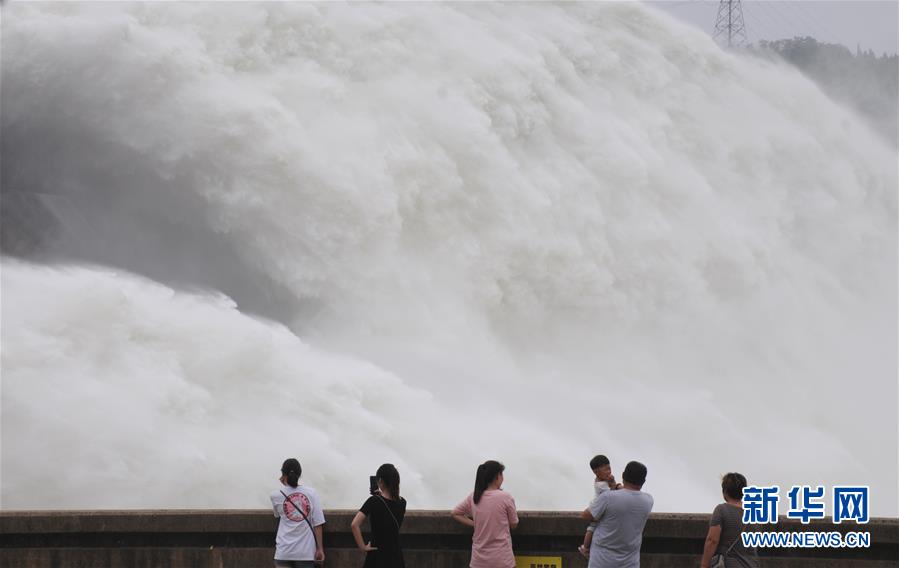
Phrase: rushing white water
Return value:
(431, 234)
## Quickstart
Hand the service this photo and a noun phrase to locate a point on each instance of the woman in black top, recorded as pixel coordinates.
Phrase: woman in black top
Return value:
(385, 510)
(723, 541)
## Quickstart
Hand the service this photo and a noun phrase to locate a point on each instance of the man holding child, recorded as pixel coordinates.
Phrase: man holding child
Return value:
(620, 516)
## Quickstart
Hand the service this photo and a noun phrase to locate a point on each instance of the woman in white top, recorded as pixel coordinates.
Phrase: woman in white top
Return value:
(299, 540)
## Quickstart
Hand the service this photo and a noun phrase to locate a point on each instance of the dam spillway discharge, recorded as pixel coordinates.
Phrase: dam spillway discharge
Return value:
(242, 232)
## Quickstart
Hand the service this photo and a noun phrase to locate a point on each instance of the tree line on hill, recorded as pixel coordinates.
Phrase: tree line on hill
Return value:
(865, 81)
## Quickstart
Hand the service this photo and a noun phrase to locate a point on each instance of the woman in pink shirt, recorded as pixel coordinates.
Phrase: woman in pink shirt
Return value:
(491, 512)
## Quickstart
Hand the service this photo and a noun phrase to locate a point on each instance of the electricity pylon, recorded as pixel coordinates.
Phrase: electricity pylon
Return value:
(730, 23)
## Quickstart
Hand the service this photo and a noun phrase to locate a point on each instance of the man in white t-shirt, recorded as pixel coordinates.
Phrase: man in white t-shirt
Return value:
(621, 516)
(297, 545)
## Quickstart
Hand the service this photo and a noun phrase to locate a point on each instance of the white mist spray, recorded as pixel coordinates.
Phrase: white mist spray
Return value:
(522, 232)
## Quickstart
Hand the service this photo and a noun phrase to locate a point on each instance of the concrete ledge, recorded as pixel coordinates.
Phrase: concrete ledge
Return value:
(229, 538)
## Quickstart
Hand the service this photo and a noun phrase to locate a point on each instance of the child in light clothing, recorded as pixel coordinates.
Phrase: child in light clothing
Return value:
(604, 481)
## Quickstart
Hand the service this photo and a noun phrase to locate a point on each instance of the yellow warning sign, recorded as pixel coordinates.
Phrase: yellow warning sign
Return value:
(538, 562)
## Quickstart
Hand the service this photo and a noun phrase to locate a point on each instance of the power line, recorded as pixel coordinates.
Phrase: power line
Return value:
(775, 22)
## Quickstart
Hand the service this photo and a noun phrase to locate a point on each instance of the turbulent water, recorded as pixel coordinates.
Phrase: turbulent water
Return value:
(431, 235)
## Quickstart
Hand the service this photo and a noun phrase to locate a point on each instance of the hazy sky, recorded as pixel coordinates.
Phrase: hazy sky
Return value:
(871, 24)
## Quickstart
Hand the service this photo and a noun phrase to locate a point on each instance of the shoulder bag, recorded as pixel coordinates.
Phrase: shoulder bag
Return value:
(397, 523)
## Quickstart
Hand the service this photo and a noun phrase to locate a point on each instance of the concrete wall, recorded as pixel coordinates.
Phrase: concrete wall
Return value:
(224, 539)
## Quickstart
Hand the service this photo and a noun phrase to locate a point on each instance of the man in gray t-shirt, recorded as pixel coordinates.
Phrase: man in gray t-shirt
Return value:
(621, 516)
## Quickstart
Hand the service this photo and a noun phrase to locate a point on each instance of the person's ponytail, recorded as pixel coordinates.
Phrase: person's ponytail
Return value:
(292, 470)
(479, 485)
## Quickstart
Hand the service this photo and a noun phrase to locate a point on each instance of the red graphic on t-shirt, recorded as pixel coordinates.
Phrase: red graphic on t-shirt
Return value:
(300, 500)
